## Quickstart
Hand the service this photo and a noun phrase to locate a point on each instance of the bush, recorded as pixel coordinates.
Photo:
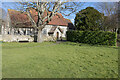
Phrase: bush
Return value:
(92, 37)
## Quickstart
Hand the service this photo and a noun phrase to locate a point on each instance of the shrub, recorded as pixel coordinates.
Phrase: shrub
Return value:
(92, 37)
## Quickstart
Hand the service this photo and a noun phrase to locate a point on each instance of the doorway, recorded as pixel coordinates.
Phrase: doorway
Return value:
(57, 36)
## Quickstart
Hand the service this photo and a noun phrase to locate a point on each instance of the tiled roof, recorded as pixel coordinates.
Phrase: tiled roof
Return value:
(19, 19)
(22, 19)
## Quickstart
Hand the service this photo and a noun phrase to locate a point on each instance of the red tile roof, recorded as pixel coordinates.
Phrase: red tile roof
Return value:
(22, 19)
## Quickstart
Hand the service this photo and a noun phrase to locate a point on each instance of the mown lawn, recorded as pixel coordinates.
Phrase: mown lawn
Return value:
(64, 60)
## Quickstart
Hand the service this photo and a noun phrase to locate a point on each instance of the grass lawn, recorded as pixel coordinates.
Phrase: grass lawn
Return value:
(64, 60)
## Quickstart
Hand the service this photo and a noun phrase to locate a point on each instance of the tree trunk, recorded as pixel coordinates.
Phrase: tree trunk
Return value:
(116, 30)
(117, 35)
(39, 37)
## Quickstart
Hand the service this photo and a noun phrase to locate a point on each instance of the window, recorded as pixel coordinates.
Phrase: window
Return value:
(45, 31)
(18, 32)
(24, 32)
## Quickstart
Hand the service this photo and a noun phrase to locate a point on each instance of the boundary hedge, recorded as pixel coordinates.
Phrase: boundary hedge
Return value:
(93, 37)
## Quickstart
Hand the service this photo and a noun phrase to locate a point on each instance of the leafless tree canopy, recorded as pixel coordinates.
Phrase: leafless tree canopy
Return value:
(2, 14)
(65, 8)
(110, 10)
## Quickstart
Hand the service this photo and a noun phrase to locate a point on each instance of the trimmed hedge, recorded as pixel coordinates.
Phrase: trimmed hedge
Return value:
(92, 37)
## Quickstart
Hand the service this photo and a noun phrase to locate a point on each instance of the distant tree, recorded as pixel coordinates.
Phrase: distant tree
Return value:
(118, 11)
(2, 17)
(88, 19)
(110, 9)
(111, 23)
(2, 14)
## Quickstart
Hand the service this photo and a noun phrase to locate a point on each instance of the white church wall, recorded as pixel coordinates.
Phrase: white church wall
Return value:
(64, 28)
(55, 33)
(48, 28)
(44, 31)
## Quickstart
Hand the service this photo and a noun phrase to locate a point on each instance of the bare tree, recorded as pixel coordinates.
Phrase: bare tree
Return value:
(108, 8)
(2, 17)
(111, 17)
(51, 8)
(2, 14)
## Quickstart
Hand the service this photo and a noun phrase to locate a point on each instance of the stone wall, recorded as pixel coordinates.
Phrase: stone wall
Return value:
(48, 38)
(17, 38)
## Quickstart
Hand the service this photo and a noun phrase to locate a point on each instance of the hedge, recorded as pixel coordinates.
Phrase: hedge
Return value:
(93, 37)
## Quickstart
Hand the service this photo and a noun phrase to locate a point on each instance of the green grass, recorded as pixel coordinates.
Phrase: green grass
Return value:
(64, 60)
